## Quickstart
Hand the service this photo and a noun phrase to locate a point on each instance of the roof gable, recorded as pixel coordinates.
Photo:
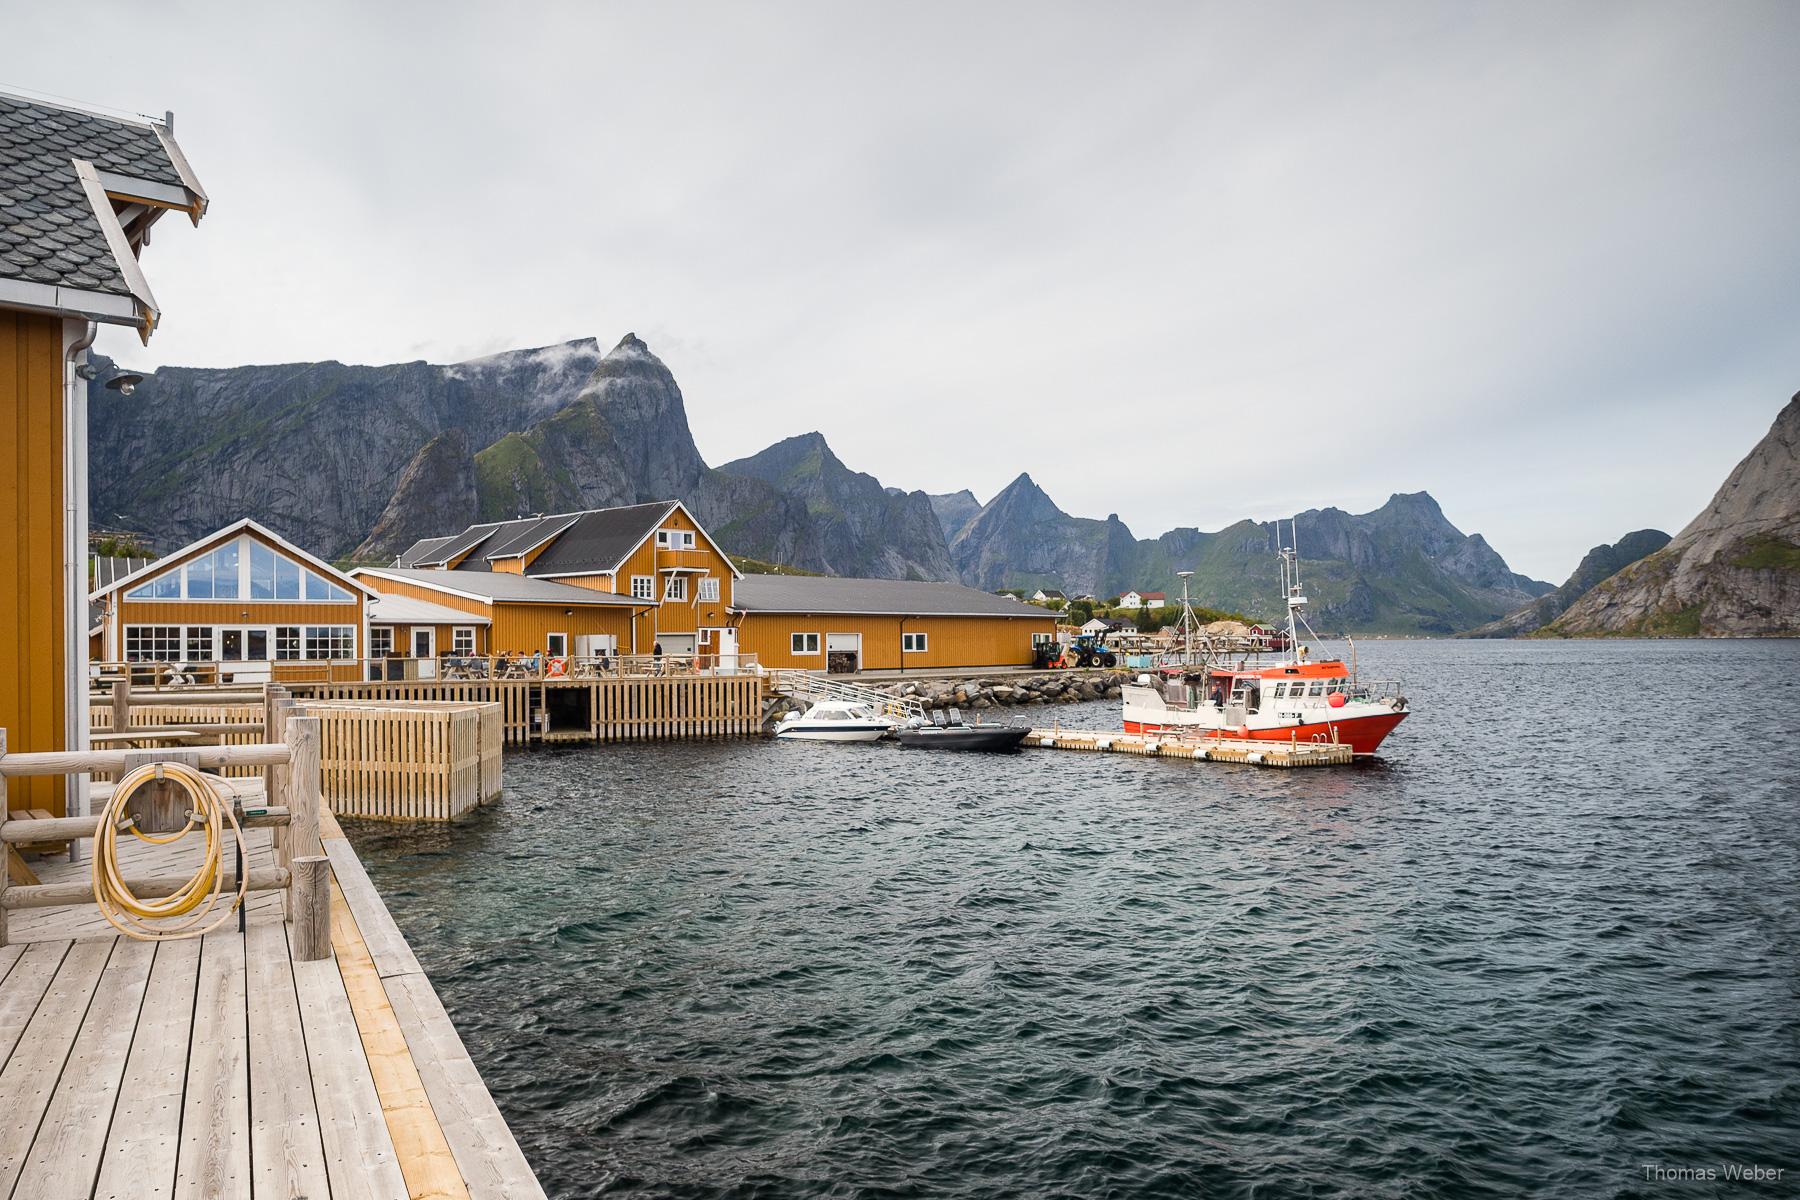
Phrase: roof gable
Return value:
(155, 567)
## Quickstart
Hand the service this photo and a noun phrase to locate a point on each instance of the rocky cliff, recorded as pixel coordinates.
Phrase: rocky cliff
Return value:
(953, 511)
(1403, 568)
(1596, 565)
(862, 528)
(314, 450)
(1734, 571)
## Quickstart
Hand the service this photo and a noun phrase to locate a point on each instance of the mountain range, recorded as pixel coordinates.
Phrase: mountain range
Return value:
(359, 461)
(1733, 571)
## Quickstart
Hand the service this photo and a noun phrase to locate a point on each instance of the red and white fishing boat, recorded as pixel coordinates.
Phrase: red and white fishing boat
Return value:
(1295, 698)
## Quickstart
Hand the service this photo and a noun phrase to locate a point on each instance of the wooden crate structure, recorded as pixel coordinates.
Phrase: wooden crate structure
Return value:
(407, 760)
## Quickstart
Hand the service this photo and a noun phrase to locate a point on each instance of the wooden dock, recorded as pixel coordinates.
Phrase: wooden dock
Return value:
(225, 1068)
(1249, 752)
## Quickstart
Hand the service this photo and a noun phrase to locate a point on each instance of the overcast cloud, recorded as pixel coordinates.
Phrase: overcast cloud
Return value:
(1185, 263)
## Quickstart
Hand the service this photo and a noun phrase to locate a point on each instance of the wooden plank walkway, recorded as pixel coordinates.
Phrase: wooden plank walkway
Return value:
(223, 1068)
(1227, 750)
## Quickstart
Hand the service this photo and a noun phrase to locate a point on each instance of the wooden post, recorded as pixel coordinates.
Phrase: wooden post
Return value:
(310, 885)
(5, 851)
(275, 783)
(121, 704)
(303, 787)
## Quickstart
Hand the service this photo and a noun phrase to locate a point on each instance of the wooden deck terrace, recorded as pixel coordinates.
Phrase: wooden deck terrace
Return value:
(222, 1067)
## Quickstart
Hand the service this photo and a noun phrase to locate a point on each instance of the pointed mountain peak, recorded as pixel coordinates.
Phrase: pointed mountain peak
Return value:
(630, 344)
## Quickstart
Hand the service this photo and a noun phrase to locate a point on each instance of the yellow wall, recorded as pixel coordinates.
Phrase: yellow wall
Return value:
(950, 642)
(444, 636)
(522, 628)
(678, 616)
(32, 684)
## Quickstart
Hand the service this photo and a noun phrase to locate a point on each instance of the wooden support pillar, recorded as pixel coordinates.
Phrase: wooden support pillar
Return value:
(303, 798)
(121, 704)
(310, 886)
(5, 851)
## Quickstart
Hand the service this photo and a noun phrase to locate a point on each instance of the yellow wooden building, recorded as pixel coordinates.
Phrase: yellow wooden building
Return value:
(823, 623)
(240, 605)
(79, 193)
(676, 583)
(492, 613)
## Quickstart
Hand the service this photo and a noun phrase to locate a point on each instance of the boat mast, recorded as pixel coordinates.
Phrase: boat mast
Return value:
(1290, 586)
(1189, 623)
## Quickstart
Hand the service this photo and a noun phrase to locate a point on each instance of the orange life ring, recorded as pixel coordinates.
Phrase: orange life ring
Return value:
(558, 668)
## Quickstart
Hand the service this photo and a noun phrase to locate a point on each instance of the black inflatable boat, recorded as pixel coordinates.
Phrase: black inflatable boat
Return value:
(952, 734)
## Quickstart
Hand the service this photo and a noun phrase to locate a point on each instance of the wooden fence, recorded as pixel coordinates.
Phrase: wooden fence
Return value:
(402, 759)
(683, 706)
(407, 761)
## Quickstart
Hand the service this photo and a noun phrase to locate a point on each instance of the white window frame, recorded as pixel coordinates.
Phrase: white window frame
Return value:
(675, 588)
(798, 641)
(919, 643)
(456, 640)
(381, 641)
(1042, 639)
(550, 645)
(246, 547)
(649, 587)
(338, 634)
(662, 538)
(709, 589)
(412, 641)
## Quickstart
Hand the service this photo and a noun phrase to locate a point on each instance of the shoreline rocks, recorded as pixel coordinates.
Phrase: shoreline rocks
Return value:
(1010, 691)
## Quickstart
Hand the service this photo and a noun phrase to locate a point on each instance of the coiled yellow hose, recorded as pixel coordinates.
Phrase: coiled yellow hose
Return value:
(210, 811)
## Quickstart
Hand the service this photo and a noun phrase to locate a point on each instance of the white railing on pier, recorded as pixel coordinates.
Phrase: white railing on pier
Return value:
(816, 686)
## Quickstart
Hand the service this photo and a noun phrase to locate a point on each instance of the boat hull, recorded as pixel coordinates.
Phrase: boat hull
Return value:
(970, 737)
(1363, 734)
(865, 733)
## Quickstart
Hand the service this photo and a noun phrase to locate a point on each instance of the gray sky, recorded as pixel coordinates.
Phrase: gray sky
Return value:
(1185, 263)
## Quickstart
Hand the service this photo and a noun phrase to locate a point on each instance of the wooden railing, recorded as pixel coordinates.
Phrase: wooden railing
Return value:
(145, 674)
(289, 759)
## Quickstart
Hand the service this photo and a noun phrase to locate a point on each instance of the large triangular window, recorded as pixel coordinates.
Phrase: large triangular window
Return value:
(242, 569)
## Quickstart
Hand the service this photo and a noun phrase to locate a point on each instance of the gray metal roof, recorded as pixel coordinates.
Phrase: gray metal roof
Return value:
(891, 597)
(49, 233)
(496, 586)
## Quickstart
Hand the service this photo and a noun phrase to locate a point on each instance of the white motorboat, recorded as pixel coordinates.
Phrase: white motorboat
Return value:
(836, 721)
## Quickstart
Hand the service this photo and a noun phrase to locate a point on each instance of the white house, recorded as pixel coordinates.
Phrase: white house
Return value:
(1043, 594)
(1139, 599)
(1096, 627)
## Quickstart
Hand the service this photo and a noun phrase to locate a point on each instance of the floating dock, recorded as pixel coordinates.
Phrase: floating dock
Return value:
(227, 1067)
(1251, 752)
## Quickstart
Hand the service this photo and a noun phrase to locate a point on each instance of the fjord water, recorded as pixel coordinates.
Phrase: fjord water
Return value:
(1551, 939)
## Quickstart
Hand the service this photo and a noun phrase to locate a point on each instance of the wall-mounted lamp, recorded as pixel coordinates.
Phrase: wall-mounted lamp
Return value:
(124, 383)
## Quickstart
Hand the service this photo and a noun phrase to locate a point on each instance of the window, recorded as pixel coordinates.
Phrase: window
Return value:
(330, 641)
(381, 641)
(643, 587)
(804, 643)
(152, 643)
(199, 643)
(1318, 687)
(241, 569)
(166, 586)
(709, 589)
(287, 642)
(462, 639)
(557, 644)
(675, 539)
(1042, 639)
(676, 588)
(912, 643)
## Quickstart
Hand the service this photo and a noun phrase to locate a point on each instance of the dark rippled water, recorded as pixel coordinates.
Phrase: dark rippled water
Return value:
(1552, 939)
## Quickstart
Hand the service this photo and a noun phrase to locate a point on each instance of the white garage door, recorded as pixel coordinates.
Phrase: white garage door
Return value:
(843, 653)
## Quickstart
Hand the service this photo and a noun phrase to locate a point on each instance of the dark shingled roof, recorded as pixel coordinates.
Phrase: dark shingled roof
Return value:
(893, 597)
(48, 231)
(108, 571)
(600, 538)
(498, 585)
(422, 550)
(517, 537)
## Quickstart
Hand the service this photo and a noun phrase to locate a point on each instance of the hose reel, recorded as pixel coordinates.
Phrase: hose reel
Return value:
(207, 810)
